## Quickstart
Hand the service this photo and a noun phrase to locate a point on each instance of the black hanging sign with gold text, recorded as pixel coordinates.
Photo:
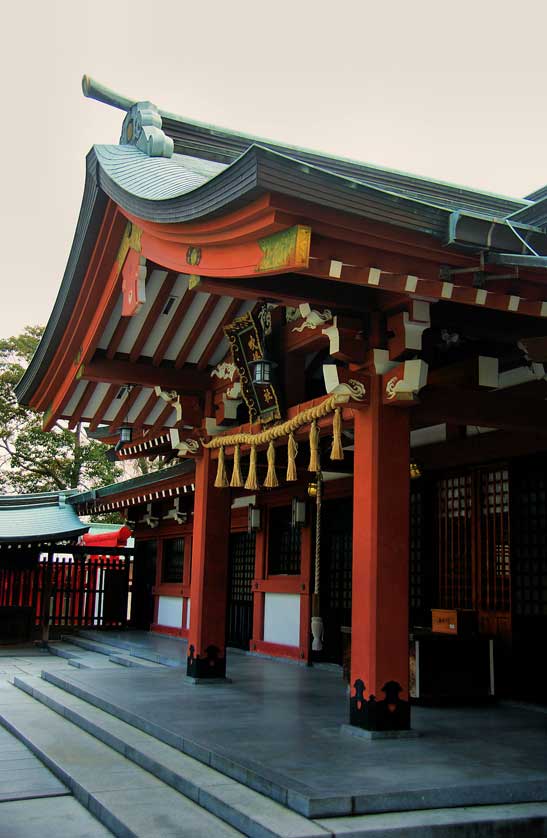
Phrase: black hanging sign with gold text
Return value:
(261, 399)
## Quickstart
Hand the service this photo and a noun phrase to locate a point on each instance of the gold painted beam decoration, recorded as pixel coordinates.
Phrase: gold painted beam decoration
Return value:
(286, 249)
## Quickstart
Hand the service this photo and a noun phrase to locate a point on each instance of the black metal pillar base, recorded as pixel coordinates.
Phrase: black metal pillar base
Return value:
(389, 714)
(212, 665)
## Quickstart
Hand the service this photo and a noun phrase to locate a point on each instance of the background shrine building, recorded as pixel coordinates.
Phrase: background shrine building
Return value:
(342, 368)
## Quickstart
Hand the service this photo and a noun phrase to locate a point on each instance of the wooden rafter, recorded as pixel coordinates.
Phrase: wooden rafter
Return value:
(145, 411)
(159, 424)
(155, 310)
(103, 407)
(196, 330)
(418, 287)
(125, 407)
(82, 403)
(117, 337)
(184, 304)
(218, 334)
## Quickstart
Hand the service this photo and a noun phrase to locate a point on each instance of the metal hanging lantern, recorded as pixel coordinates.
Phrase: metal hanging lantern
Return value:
(262, 369)
(254, 521)
(126, 431)
(126, 434)
(298, 513)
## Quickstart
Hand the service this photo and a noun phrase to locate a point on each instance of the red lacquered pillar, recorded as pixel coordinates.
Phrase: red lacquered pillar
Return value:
(208, 588)
(379, 642)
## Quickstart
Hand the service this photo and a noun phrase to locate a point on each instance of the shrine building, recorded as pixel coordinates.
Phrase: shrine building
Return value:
(342, 371)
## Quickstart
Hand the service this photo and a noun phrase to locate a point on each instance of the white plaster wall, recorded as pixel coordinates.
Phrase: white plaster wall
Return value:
(282, 619)
(170, 611)
(187, 613)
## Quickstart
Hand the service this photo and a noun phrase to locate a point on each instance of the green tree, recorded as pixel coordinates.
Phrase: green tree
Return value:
(32, 460)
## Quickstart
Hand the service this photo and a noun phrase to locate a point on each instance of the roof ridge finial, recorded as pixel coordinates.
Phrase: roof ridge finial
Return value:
(142, 124)
(94, 90)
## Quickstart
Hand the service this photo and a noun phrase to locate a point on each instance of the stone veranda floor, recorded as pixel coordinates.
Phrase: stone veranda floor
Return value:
(281, 723)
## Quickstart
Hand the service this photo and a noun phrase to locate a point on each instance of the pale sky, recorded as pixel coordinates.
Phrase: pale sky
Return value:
(454, 91)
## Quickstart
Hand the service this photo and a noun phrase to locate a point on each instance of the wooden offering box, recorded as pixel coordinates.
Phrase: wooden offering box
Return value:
(460, 621)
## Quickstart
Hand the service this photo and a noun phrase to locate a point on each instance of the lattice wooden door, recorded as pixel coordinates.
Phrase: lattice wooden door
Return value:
(239, 628)
(473, 545)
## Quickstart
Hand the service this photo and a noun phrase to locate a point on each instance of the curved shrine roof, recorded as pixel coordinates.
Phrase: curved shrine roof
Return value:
(38, 517)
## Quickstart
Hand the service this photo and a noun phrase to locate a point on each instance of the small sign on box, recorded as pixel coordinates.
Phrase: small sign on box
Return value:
(461, 621)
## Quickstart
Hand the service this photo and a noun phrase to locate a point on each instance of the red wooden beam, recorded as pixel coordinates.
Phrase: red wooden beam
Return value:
(344, 225)
(189, 380)
(470, 407)
(282, 252)
(215, 230)
(92, 311)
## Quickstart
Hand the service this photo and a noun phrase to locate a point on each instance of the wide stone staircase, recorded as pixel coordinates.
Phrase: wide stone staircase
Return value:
(137, 785)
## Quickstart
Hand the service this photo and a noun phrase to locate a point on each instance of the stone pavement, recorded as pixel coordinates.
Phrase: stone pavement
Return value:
(276, 729)
(32, 799)
(278, 726)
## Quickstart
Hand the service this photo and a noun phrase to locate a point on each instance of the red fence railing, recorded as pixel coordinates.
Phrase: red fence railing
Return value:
(85, 591)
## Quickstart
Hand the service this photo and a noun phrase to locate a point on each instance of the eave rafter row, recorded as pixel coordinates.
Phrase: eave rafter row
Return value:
(428, 289)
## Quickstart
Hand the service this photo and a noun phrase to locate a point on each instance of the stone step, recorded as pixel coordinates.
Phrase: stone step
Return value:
(80, 660)
(62, 817)
(517, 820)
(266, 782)
(134, 649)
(127, 799)
(243, 808)
(105, 650)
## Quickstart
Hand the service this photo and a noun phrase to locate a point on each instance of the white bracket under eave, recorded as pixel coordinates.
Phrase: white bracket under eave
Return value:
(408, 327)
(172, 398)
(184, 447)
(381, 361)
(175, 514)
(338, 383)
(404, 382)
(149, 519)
(312, 319)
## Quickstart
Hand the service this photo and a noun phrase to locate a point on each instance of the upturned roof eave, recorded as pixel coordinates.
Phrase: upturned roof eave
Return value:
(257, 170)
(143, 481)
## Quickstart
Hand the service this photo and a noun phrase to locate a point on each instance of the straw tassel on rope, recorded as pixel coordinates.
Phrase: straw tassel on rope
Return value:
(221, 480)
(252, 481)
(237, 478)
(337, 452)
(271, 477)
(314, 447)
(292, 451)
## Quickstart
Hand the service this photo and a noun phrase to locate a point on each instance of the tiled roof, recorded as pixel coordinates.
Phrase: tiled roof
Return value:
(38, 517)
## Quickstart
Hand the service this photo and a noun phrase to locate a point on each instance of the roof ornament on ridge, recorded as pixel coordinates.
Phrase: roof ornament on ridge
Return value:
(142, 124)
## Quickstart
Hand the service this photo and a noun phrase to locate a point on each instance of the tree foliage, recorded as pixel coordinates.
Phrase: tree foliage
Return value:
(32, 460)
